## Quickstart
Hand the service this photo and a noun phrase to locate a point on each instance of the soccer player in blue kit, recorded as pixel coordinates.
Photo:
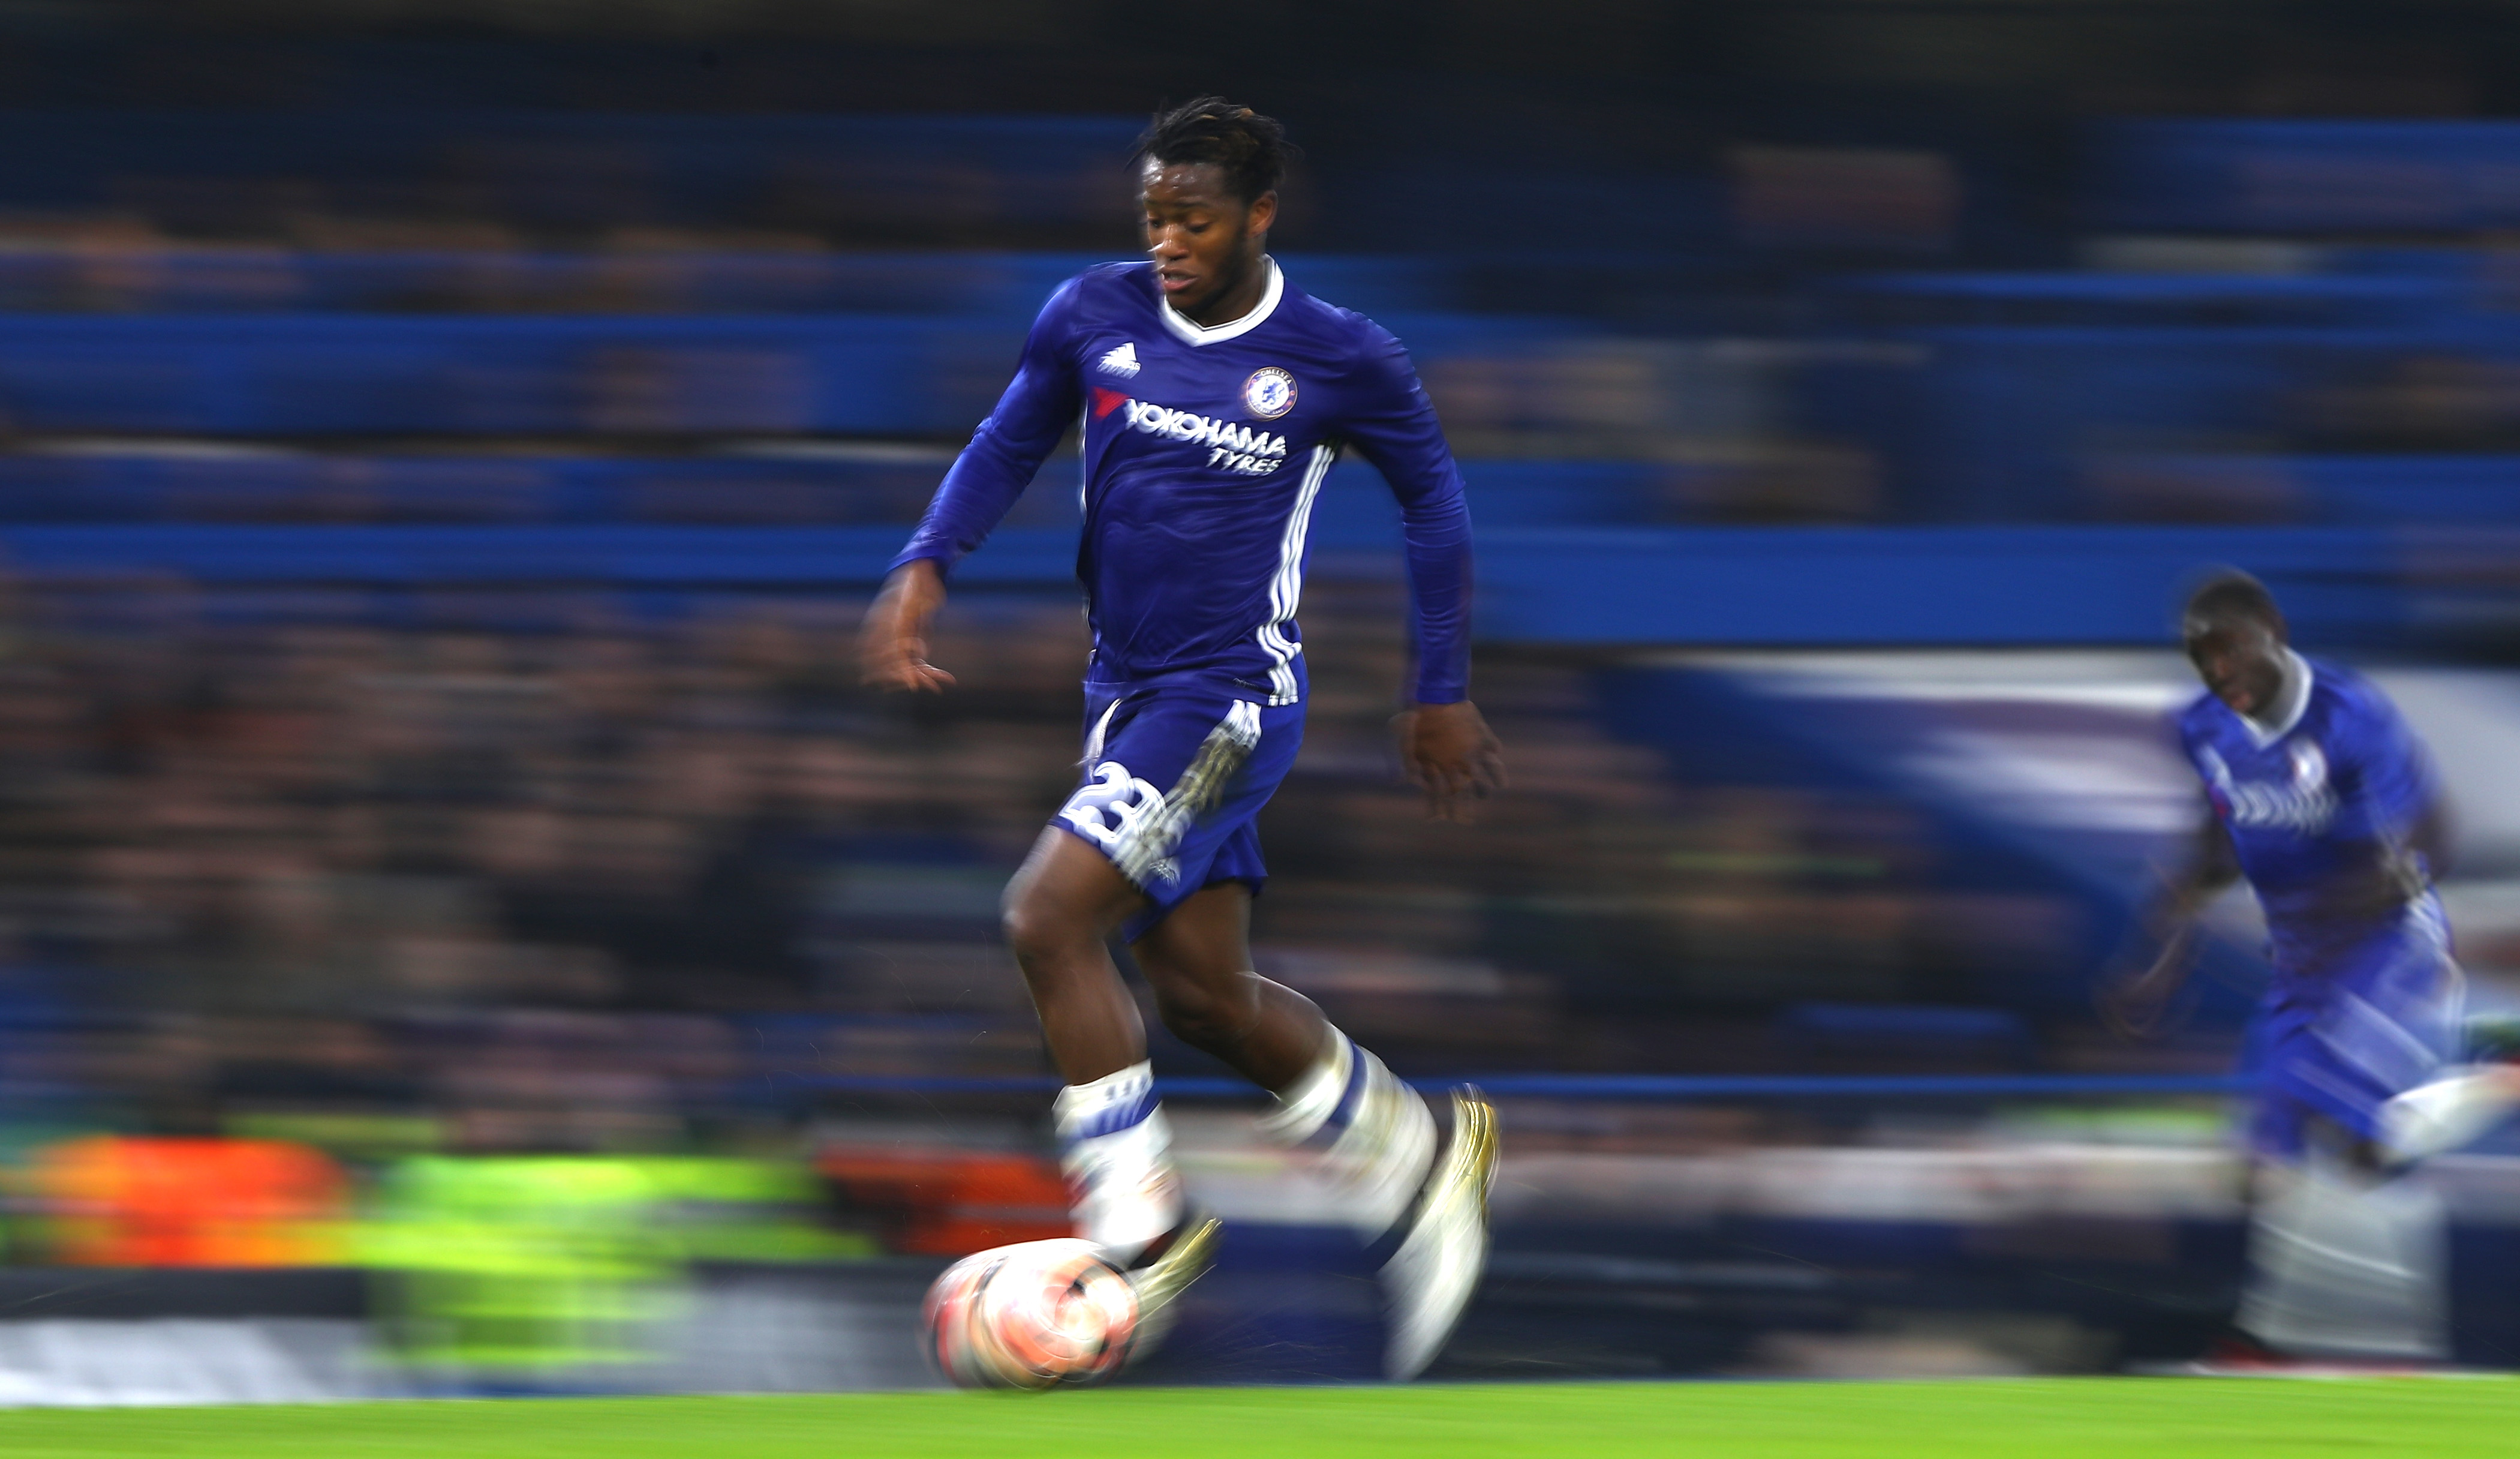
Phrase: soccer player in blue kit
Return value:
(2324, 800)
(1213, 395)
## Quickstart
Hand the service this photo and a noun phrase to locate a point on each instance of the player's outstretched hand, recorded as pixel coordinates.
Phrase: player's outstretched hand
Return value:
(892, 642)
(1449, 751)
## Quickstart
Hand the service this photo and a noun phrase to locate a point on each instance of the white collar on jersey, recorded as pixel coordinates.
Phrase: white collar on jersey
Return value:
(1199, 333)
(2291, 699)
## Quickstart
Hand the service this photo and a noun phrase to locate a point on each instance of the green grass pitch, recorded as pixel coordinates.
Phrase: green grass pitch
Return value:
(2145, 1418)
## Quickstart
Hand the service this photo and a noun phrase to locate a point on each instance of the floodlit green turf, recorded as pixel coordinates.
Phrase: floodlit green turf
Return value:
(2143, 1418)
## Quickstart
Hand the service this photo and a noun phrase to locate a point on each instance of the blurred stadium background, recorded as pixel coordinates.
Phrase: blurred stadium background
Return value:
(464, 931)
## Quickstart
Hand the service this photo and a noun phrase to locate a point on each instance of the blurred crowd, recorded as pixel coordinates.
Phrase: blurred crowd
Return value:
(327, 820)
(536, 880)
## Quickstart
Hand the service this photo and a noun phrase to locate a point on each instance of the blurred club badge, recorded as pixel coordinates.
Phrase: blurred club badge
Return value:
(1270, 393)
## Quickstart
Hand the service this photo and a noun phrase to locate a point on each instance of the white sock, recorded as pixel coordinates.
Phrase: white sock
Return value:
(2342, 1267)
(1116, 1149)
(2448, 1112)
(1376, 1137)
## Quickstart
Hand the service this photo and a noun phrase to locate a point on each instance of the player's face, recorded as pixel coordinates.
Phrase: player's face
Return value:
(1203, 239)
(2239, 659)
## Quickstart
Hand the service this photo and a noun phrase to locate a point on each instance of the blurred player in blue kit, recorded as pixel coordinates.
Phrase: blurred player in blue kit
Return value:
(1213, 395)
(2318, 794)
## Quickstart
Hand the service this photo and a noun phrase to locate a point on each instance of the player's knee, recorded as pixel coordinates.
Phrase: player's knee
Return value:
(1037, 929)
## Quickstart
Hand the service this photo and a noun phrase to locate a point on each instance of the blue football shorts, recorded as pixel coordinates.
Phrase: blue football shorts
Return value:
(2377, 1017)
(1174, 778)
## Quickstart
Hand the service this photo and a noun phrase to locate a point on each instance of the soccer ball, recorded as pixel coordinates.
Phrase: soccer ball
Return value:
(1037, 1314)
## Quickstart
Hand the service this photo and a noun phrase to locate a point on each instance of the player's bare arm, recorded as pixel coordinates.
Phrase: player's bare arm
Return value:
(2133, 1002)
(892, 642)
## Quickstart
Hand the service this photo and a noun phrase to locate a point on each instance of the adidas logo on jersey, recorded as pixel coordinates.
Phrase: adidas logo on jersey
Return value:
(1231, 445)
(1121, 360)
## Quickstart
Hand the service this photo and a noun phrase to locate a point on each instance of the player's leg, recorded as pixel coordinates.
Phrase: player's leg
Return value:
(1114, 1145)
(2348, 1244)
(1117, 852)
(2450, 1111)
(2348, 1256)
(1059, 916)
(1374, 1134)
(2461, 1103)
(1197, 962)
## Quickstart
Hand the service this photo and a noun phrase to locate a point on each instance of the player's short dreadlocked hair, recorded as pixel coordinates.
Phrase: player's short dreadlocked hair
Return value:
(2233, 593)
(1248, 148)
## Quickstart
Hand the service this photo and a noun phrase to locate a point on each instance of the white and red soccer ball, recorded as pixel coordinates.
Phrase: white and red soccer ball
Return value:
(1037, 1314)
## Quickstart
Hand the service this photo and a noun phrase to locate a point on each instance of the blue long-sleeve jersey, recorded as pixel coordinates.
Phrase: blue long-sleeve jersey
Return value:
(1204, 449)
(2326, 796)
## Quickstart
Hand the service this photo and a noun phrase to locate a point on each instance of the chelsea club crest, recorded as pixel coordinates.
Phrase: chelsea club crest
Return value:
(1269, 393)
